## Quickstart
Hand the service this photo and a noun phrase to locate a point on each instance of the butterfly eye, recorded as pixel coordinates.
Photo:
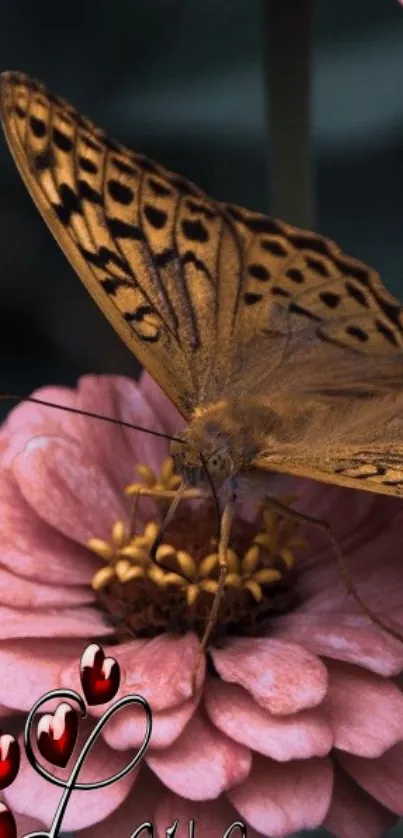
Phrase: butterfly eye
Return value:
(219, 465)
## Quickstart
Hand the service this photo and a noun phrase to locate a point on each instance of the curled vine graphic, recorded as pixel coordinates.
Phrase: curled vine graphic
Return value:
(56, 736)
(71, 783)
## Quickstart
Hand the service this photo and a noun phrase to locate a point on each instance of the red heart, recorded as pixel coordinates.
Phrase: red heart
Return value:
(8, 828)
(57, 734)
(10, 758)
(100, 676)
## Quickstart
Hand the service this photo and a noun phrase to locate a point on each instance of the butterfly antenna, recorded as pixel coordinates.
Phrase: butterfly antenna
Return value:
(14, 397)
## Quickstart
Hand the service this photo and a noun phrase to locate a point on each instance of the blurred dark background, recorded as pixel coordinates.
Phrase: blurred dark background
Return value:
(185, 81)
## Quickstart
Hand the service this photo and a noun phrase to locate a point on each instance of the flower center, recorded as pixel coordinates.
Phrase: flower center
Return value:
(143, 599)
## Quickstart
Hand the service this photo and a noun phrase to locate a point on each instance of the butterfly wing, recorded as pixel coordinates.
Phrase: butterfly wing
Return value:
(158, 256)
(340, 415)
(211, 298)
(366, 465)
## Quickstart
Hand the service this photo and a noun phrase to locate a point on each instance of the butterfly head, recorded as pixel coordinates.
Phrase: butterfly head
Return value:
(196, 453)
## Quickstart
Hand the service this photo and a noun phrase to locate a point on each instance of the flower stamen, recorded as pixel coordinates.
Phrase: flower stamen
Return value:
(144, 599)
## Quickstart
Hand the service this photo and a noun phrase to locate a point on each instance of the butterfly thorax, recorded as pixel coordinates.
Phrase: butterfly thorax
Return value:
(221, 437)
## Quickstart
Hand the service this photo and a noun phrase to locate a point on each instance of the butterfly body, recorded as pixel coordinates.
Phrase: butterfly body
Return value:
(282, 353)
(222, 438)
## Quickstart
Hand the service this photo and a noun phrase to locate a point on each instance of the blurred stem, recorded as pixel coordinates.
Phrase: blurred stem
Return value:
(288, 36)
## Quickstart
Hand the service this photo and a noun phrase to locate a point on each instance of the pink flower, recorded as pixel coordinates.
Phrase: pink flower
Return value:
(298, 726)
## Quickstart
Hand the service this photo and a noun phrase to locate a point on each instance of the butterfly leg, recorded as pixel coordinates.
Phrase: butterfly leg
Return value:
(163, 494)
(177, 495)
(223, 544)
(174, 495)
(286, 512)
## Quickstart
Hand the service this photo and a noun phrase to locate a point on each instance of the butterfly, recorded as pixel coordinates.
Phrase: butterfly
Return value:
(234, 313)
(282, 353)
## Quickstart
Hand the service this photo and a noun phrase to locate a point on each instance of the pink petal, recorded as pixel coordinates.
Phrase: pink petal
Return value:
(32, 548)
(117, 448)
(27, 420)
(30, 668)
(138, 808)
(364, 710)
(357, 519)
(353, 813)
(27, 825)
(60, 622)
(382, 778)
(31, 795)
(19, 593)
(126, 728)
(367, 528)
(72, 494)
(277, 799)
(212, 819)
(346, 637)
(202, 763)
(323, 589)
(160, 670)
(233, 711)
(282, 677)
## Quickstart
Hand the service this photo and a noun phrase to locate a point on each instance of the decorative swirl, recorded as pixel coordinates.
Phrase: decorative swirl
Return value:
(70, 784)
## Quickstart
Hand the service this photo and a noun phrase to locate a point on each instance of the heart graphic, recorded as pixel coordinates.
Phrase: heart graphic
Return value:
(100, 676)
(8, 828)
(10, 758)
(57, 734)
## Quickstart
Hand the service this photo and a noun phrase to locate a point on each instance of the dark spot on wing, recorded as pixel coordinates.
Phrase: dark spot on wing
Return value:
(183, 186)
(387, 333)
(21, 112)
(69, 204)
(165, 257)
(159, 188)
(88, 165)
(38, 126)
(295, 275)
(259, 224)
(146, 164)
(156, 217)
(194, 231)
(356, 294)
(278, 291)
(43, 160)
(259, 272)
(309, 243)
(103, 257)
(111, 284)
(250, 299)
(317, 266)
(86, 191)
(122, 230)
(330, 299)
(274, 247)
(196, 207)
(123, 167)
(119, 192)
(62, 141)
(357, 333)
(90, 143)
